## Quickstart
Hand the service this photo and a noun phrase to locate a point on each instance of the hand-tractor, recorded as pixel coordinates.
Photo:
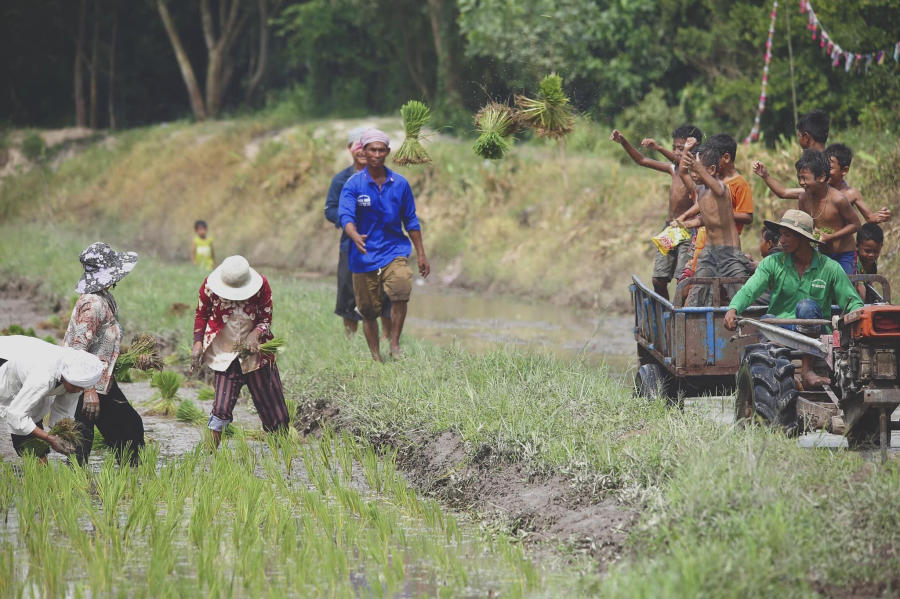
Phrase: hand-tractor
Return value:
(860, 357)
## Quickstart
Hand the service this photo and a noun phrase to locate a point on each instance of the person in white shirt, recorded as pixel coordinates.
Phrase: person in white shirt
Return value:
(37, 378)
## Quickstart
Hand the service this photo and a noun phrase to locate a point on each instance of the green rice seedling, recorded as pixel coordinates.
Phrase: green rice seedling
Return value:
(415, 114)
(167, 383)
(550, 115)
(272, 346)
(206, 393)
(99, 441)
(189, 412)
(495, 124)
(142, 355)
(66, 429)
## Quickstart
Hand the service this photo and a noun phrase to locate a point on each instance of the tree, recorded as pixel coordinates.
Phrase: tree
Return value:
(442, 16)
(260, 61)
(95, 64)
(220, 39)
(78, 69)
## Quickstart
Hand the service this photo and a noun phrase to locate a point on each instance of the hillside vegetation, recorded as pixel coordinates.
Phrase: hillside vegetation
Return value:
(568, 225)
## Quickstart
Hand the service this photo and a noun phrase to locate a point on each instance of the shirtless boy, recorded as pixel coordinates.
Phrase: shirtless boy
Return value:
(665, 267)
(812, 130)
(839, 157)
(721, 256)
(831, 211)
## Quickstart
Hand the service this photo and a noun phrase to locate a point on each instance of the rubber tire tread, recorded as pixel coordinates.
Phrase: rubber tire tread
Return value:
(774, 390)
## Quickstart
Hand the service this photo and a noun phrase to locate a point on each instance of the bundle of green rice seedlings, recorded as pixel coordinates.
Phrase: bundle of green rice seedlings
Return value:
(206, 393)
(415, 114)
(189, 412)
(550, 115)
(66, 429)
(143, 355)
(167, 383)
(496, 123)
(272, 346)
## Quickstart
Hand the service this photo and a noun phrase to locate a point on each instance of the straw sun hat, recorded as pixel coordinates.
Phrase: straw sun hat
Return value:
(797, 221)
(234, 279)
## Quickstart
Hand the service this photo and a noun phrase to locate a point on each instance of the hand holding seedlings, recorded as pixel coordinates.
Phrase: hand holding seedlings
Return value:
(252, 341)
(196, 356)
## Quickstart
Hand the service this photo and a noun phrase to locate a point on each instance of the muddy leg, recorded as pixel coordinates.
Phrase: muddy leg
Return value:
(370, 329)
(350, 326)
(661, 286)
(398, 317)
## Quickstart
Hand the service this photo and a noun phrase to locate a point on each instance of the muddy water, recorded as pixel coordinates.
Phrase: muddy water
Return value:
(479, 322)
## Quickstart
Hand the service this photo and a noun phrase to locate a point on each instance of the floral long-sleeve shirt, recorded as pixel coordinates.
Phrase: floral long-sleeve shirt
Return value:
(220, 324)
(94, 328)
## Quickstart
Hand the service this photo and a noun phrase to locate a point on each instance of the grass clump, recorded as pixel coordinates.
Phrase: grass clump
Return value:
(66, 429)
(167, 383)
(143, 355)
(415, 114)
(33, 147)
(495, 124)
(189, 412)
(551, 114)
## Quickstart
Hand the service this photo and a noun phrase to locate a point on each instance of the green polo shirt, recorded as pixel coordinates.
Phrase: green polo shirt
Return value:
(825, 282)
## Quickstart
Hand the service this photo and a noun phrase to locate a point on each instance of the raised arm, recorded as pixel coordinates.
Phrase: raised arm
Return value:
(855, 199)
(650, 143)
(640, 159)
(785, 193)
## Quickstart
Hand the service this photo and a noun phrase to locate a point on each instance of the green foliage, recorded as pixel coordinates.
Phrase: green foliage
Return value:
(33, 146)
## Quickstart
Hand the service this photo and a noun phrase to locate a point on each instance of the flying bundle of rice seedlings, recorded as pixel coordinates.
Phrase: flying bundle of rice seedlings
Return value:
(189, 412)
(143, 355)
(550, 115)
(415, 114)
(66, 429)
(167, 383)
(495, 123)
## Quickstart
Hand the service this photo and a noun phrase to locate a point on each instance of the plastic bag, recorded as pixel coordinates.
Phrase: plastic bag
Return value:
(670, 237)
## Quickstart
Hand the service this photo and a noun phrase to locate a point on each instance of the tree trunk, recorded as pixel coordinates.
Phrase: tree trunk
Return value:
(220, 65)
(448, 80)
(263, 58)
(80, 111)
(110, 96)
(95, 64)
(187, 72)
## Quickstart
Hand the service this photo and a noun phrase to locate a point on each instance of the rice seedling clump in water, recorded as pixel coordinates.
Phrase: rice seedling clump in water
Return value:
(167, 383)
(415, 114)
(550, 115)
(189, 412)
(66, 429)
(495, 123)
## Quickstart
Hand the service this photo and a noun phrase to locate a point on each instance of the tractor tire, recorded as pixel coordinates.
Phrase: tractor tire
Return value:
(866, 433)
(766, 390)
(653, 382)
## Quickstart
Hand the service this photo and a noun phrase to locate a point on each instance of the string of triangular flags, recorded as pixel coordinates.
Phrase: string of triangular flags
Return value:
(837, 54)
(761, 108)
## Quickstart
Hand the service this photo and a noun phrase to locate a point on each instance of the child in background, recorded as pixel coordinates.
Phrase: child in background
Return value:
(869, 241)
(667, 266)
(812, 130)
(839, 158)
(202, 247)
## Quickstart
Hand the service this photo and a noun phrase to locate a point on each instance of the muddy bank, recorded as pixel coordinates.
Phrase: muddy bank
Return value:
(26, 304)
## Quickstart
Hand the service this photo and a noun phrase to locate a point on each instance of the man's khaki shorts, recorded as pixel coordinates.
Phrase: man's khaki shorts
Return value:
(394, 280)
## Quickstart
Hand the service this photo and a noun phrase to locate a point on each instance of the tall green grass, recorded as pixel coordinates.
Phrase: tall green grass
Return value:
(726, 512)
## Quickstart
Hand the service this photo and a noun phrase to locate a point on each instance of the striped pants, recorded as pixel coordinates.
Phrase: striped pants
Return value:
(265, 389)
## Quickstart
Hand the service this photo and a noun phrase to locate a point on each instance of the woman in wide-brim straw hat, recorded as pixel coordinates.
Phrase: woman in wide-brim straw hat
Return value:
(94, 328)
(234, 315)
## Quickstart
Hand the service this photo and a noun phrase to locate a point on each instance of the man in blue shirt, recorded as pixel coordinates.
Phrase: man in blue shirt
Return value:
(376, 205)
(345, 306)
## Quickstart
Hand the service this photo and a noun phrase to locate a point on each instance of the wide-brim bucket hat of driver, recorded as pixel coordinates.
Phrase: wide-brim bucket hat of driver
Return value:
(103, 267)
(797, 221)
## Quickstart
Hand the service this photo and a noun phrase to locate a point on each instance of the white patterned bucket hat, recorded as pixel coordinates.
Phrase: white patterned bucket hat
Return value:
(103, 267)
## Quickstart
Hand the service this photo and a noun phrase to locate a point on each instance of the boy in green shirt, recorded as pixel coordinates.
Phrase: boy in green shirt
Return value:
(803, 283)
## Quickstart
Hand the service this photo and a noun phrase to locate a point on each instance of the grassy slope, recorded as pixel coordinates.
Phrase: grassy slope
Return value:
(535, 224)
(726, 512)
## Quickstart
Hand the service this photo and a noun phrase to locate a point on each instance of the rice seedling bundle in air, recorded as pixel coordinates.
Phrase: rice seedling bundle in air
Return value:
(189, 412)
(143, 355)
(415, 114)
(495, 124)
(66, 429)
(550, 115)
(167, 383)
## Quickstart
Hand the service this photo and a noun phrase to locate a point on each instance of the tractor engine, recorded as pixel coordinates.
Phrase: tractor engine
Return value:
(866, 361)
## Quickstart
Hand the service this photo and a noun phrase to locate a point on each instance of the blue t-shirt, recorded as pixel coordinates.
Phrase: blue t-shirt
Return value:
(333, 200)
(382, 214)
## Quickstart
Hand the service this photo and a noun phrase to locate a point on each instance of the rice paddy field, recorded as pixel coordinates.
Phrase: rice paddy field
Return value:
(713, 510)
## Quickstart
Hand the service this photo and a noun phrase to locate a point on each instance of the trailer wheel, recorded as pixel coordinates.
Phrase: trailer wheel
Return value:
(653, 382)
(765, 388)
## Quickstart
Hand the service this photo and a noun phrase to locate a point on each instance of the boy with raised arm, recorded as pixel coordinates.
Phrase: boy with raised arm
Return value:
(839, 157)
(831, 211)
(721, 256)
(666, 267)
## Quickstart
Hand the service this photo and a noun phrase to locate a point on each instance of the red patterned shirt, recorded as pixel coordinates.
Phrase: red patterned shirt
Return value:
(213, 312)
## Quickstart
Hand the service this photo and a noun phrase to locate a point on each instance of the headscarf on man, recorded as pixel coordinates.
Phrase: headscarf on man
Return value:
(373, 135)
